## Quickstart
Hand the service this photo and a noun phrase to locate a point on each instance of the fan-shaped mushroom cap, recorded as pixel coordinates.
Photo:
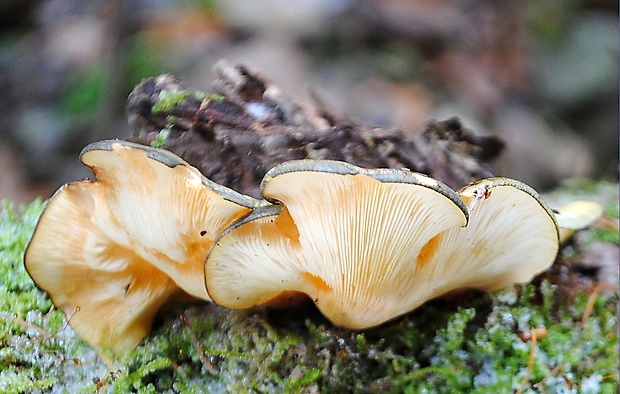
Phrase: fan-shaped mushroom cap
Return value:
(171, 212)
(107, 292)
(110, 252)
(347, 237)
(511, 236)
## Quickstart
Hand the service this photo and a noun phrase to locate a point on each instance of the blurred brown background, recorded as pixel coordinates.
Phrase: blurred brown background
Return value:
(543, 75)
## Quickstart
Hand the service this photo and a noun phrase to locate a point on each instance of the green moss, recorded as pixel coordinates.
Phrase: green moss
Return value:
(610, 236)
(218, 98)
(464, 344)
(161, 138)
(38, 349)
(612, 211)
(168, 100)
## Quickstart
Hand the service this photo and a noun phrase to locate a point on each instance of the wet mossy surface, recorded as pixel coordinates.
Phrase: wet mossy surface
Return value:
(470, 342)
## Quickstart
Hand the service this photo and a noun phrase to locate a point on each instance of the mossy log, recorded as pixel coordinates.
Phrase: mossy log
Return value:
(557, 334)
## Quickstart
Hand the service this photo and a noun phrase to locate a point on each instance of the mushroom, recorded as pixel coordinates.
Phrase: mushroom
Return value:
(511, 236)
(348, 237)
(576, 215)
(370, 245)
(110, 252)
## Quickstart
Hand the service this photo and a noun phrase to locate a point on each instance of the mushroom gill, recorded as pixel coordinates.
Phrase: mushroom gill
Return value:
(107, 292)
(352, 241)
(169, 210)
(511, 236)
(111, 251)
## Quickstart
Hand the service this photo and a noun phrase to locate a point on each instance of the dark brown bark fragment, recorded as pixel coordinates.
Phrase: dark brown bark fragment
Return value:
(246, 126)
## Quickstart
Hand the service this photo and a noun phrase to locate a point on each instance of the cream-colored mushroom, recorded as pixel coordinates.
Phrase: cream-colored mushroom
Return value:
(576, 215)
(107, 292)
(370, 245)
(111, 251)
(171, 212)
(347, 237)
(511, 236)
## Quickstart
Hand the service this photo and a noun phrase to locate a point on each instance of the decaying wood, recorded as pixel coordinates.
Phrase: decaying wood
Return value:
(246, 126)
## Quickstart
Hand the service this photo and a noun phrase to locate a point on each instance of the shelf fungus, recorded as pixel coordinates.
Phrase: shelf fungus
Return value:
(366, 245)
(111, 251)
(370, 245)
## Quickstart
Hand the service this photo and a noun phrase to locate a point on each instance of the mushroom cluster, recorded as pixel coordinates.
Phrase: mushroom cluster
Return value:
(366, 245)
